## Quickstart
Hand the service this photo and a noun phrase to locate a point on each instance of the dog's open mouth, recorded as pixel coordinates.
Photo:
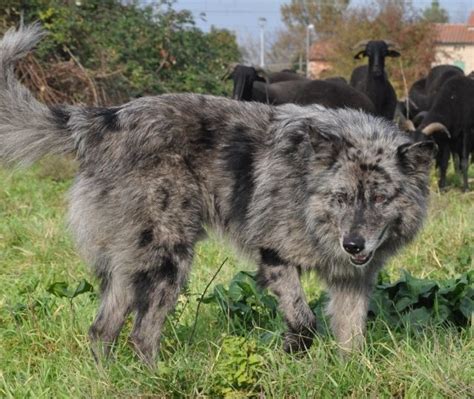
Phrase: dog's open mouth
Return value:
(360, 259)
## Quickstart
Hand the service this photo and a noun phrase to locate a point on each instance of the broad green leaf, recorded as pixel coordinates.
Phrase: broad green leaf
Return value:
(60, 289)
(405, 302)
(83, 287)
(417, 317)
(466, 306)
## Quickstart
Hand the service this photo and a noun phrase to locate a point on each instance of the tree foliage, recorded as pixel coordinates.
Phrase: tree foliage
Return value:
(389, 20)
(393, 20)
(115, 51)
(324, 15)
(435, 13)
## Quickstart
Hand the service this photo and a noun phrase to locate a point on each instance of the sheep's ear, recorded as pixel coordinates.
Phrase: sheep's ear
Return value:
(393, 53)
(360, 54)
(416, 157)
(262, 75)
(229, 73)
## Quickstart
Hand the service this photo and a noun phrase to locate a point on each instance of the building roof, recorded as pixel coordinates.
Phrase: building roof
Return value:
(320, 50)
(470, 21)
(456, 33)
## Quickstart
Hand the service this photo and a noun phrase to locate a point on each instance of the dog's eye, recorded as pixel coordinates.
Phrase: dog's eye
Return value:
(379, 198)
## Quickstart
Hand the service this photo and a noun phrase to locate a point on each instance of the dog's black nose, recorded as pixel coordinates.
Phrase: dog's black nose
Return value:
(353, 244)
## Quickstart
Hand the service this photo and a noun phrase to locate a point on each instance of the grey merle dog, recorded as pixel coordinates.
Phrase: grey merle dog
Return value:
(295, 188)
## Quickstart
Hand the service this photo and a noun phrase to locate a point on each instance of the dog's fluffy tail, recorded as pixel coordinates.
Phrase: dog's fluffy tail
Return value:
(29, 130)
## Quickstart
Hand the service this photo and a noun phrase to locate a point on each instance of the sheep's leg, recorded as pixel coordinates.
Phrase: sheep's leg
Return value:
(465, 160)
(443, 166)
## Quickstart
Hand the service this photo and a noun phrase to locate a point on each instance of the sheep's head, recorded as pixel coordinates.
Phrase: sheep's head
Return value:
(243, 77)
(376, 50)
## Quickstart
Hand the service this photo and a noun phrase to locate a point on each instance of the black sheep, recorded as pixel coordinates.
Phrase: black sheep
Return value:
(424, 90)
(329, 93)
(451, 122)
(244, 77)
(372, 79)
(289, 87)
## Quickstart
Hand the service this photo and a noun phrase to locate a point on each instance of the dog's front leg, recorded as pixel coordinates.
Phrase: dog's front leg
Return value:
(347, 309)
(284, 281)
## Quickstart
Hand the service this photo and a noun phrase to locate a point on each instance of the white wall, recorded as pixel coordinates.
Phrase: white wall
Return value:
(459, 54)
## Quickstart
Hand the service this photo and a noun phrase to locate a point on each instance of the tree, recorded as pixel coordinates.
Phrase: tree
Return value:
(323, 14)
(435, 13)
(276, 56)
(106, 51)
(394, 20)
(297, 15)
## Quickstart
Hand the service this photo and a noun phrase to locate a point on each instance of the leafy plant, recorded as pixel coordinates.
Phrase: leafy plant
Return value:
(147, 50)
(416, 302)
(61, 289)
(237, 368)
(44, 304)
(244, 303)
(407, 301)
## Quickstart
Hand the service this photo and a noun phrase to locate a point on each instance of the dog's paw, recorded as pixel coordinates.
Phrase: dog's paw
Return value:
(145, 350)
(297, 342)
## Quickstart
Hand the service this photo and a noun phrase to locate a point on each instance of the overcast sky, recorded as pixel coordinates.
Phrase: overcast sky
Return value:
(242, 16)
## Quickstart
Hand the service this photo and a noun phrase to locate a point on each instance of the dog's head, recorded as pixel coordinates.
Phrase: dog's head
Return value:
(367, 182)
(379, 196)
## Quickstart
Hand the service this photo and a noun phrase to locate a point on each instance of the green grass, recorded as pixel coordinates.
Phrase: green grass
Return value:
(44, 348)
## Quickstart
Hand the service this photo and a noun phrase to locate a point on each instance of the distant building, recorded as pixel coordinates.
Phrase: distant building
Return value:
(319, 59)
(455, 45)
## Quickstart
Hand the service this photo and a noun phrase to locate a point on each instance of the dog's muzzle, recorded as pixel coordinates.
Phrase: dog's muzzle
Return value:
(356, 247)
(360, 260)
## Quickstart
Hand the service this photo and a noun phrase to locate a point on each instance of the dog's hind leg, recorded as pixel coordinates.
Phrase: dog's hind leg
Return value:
(156, 291)
(284, 281)
(116, 304)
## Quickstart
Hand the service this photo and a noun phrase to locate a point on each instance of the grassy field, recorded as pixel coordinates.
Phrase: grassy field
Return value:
(43, 339)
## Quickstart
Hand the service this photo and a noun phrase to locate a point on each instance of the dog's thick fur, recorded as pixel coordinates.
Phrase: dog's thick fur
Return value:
(289, 185)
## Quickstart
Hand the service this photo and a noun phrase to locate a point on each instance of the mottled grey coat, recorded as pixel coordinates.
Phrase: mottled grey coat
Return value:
(296, 188)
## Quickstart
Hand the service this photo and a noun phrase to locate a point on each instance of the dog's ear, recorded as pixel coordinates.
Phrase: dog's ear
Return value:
(326, 145)
(414, 158)
(300, 137)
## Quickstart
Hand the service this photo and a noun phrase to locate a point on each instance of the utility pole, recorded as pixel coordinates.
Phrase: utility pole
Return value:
(309, 29)
(261, 22)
